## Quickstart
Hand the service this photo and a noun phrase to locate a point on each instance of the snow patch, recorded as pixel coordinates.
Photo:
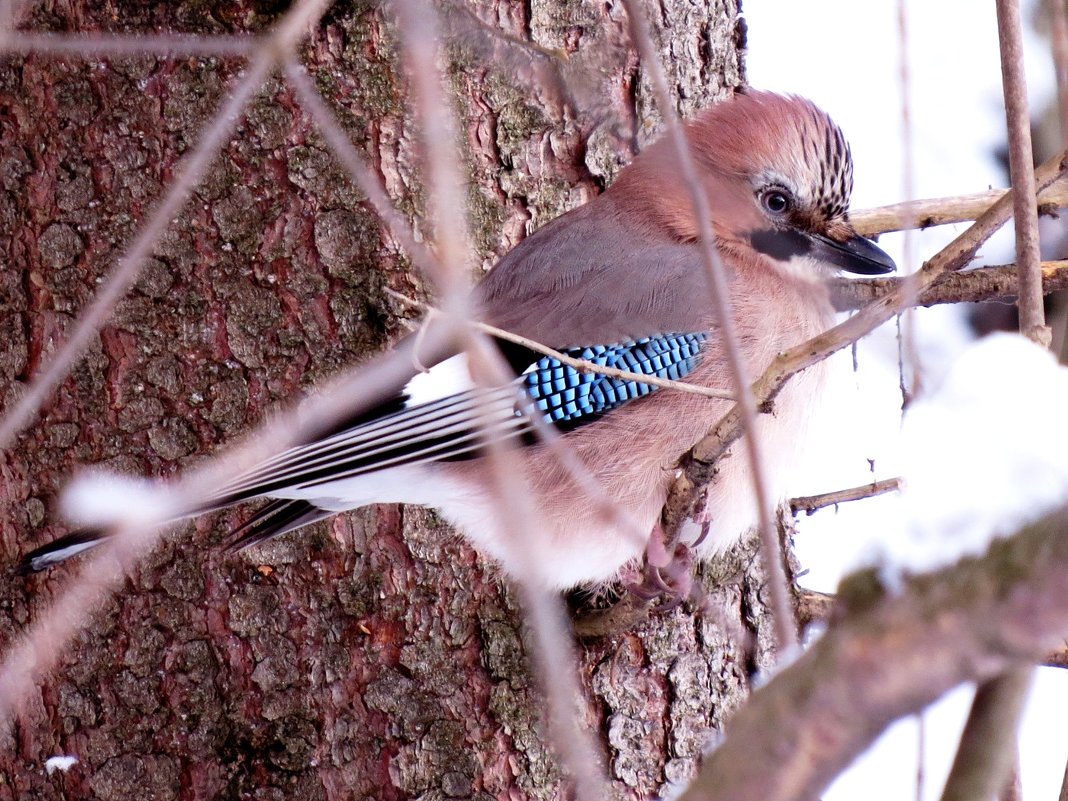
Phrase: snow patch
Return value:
(103, 500)
(61, 762)
(983, 455)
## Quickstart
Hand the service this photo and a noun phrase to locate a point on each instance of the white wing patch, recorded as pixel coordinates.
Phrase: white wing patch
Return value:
(450, 377)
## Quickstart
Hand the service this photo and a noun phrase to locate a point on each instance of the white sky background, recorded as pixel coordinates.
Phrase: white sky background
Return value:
(844, 55)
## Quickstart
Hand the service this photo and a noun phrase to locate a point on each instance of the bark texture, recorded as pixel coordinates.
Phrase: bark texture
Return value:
(373, 656)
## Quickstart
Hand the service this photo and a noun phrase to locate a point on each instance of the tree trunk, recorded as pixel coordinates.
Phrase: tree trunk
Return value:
(375, 655)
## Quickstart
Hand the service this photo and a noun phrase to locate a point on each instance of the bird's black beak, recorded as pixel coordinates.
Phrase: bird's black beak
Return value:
(856, 254)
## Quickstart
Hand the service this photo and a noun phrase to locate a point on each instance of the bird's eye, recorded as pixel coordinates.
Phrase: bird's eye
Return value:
(775, 201)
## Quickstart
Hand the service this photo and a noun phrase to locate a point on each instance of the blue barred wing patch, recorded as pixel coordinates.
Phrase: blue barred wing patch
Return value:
(566, 395)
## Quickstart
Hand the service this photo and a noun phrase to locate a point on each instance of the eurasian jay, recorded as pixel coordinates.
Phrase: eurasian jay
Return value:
(618, 281)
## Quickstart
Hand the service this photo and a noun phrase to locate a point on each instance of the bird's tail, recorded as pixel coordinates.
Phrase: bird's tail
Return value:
(44, 557)
(274, 519)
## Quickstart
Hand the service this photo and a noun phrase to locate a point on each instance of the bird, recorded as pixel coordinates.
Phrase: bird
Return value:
(618, 281)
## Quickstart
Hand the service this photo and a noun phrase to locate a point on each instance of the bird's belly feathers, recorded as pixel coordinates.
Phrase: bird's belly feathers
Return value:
(563, 538)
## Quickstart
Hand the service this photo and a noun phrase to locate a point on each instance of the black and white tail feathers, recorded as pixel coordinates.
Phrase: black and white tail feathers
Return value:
(437, 418)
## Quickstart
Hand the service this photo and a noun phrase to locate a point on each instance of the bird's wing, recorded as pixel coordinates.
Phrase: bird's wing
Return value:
(587, 279)
(584, 285)
(581, 285)
(457, 425)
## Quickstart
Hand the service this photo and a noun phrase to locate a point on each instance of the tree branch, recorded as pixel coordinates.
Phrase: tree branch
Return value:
(745, 406)
(988, 744)
(968, 286)
(1022, 172)
(810, 503)
(927, 213)
(885, 656)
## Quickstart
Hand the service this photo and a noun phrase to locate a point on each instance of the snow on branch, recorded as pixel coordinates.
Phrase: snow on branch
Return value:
(886, 655)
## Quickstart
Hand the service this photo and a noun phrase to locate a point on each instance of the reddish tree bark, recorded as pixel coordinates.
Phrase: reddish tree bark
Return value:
(374, 656)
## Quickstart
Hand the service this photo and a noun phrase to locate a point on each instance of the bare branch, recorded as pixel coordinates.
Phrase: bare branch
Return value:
(1059, 40)
(987, 747)
(810, 503)
(582, 365)
(997, 282)
(100, 45)
(1021, 169)
(515, 506)
(356, 168)
(908, 352)
(945, 210)
(698, 467)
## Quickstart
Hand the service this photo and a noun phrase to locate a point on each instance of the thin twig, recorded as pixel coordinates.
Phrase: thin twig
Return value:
(103, 45)
(921, 753)
(785, 627)
(358, 171)
(42, 645)
(1058, 16)
(1059, 40)
(810, 503)
(1063, 795)
(945, 210)
(987, 747)
(39, 650)
(425, 259)
(555, 57)
(515, 508)
(909, 355)
(1022, 173)
(186, 177)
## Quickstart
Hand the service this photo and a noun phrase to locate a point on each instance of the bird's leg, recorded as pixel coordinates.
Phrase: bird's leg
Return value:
(667, 575)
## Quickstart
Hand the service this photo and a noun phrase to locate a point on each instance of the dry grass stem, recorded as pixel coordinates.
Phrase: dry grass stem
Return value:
(771, 553)
(99, 45)
(582, 365)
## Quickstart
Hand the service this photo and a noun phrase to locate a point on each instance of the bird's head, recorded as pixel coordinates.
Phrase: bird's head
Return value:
(778, 175)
